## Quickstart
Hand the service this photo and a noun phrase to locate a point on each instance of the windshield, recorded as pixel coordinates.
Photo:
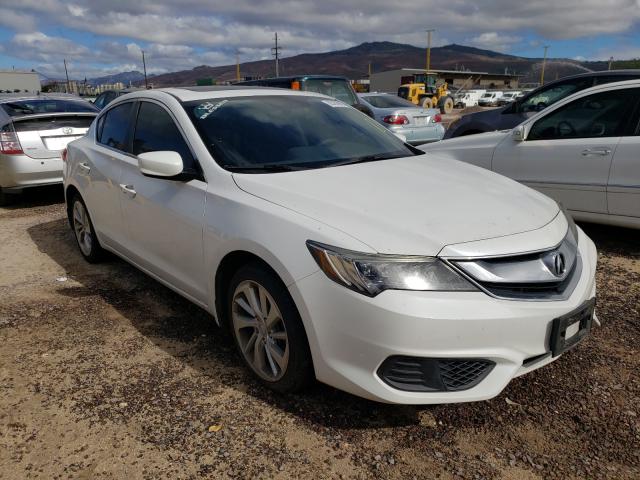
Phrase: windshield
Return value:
(336, 88)
(287, 131)
(487, 95)
(387, 101)
(30, 107)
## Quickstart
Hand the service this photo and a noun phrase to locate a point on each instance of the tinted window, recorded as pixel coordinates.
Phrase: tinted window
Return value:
(99, 102)
(600, 115)
(156, 131)
(614, 78)
(29, 107)
(336, 88)
(115, 126)
(549, 95)
(305, 132)
(387, 101)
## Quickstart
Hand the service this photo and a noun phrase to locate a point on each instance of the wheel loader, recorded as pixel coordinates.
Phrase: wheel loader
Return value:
(432, 95)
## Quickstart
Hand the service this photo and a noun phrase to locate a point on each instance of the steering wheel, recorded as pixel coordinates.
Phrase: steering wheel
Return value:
(565, 129)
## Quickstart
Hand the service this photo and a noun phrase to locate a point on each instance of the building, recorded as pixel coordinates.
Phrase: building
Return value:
(390, 80)
(19, 82)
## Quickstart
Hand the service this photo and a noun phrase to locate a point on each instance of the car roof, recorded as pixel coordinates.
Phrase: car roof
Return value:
(188, 94)
(12, 97)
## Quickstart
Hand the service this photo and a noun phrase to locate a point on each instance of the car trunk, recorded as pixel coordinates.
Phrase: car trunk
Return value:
(44, 136)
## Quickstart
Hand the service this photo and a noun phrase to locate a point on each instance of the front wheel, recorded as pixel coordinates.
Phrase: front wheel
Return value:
(446, 105)
(84, 231)
(427, 102)
(267, 329)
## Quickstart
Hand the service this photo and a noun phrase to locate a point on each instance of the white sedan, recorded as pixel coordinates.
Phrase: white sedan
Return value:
(328, 247)
(584, 152)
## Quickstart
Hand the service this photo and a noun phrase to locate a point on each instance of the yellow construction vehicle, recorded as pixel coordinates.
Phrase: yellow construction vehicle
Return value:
(430, 95)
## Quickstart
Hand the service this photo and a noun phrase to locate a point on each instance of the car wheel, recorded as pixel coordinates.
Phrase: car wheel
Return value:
(446, 105)
(267, 329)
(84, 231)
(427, 102)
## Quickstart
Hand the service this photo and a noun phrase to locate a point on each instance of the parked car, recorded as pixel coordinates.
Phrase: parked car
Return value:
(416, 124)
(468, 98)
(582, 151)
(336, 87)
(33, 131)
(489, 99)
(108, 96)
(507, 97)
(533, 102)
(330, 248)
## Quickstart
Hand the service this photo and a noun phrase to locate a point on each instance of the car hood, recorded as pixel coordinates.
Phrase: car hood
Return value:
(481, 140)
(411, 206)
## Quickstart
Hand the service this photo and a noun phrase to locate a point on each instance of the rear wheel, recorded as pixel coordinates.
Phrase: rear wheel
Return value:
(427, 102)
(84, 231)
(267, 329)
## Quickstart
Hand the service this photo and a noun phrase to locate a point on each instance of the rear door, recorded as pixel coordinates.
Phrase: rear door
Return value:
(99, 174)
(623, 191)
(165, 217)
(568, 152)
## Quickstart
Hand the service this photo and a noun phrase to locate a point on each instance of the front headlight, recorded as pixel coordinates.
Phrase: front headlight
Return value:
(572, 225)
(371, 274)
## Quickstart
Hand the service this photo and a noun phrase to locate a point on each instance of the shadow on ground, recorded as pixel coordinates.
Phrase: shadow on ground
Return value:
(36, 197)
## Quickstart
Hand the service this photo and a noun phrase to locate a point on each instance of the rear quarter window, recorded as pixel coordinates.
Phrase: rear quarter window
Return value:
(113, 127)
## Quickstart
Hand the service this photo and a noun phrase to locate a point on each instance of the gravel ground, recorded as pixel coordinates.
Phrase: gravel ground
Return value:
(104, 373)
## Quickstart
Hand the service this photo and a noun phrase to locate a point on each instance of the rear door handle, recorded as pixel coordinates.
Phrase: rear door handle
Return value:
(128, 190)
(602, 152)
(84, 167)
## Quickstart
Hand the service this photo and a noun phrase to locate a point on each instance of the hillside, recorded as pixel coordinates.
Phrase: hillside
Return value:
(354, 63)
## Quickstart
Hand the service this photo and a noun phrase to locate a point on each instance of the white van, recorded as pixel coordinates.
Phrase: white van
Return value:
(490, 99)
(469, 98)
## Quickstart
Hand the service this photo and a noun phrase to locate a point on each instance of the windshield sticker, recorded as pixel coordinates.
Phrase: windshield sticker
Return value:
(203, 110)
(335, 103)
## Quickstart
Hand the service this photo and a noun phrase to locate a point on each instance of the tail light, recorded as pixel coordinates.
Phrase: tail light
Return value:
(396, 119)
(63, 154)
(437, 118)
(9, 143)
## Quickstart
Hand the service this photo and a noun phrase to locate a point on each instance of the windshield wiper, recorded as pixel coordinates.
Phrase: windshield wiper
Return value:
(366, 158)
(268, 167)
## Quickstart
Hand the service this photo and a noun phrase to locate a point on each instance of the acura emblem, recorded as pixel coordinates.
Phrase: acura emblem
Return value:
(67, 130)
(558, 266)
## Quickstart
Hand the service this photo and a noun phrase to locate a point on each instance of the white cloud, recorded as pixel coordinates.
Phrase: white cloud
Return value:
(495, 41)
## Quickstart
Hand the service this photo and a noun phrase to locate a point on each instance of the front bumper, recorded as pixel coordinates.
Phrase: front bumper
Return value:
(20, 171)
(351, 335)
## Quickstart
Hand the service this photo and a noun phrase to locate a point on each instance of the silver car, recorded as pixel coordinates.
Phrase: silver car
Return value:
(418, 125)
(33, 132)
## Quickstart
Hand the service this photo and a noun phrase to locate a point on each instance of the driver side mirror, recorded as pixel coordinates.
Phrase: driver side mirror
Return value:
(518, 134)
(162, 164)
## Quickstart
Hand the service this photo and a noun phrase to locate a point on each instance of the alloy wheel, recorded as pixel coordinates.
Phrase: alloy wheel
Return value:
(82, 228)
(260, 330)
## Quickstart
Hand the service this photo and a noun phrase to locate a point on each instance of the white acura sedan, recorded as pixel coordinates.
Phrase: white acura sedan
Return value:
(328, 247)
(584, 151)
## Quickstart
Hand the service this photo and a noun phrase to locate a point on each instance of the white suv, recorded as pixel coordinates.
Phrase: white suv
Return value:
(328, 247)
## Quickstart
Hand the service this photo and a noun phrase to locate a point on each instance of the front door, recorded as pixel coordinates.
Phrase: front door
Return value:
(165, 217)
(568, 152)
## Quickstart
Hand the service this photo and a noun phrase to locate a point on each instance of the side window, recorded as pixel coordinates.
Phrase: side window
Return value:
(554, 93)
(115, 126)
(156, 131)
(600, 115)
(99, 101)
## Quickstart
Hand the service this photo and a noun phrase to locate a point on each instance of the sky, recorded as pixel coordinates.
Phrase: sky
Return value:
(101, 37)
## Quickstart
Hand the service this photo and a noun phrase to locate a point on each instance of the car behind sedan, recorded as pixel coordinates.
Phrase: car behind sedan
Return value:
(33, 132)
(418, 125)
(328, 247)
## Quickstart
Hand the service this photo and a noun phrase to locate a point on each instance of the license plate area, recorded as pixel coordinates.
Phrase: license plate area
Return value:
(570, 329)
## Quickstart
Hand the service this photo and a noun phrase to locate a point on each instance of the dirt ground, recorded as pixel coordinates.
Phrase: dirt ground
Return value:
(104, 373)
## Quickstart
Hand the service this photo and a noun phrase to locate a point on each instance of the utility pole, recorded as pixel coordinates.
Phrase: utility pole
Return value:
(275, 51)
(369, 69)
(544, 61)
(429, 32)
(144, 67)
(610, 62)
(237, 66)
(66, 72)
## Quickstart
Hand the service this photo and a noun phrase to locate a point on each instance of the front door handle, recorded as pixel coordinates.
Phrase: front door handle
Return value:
(602, 152)
(84, 167)
(128, 190)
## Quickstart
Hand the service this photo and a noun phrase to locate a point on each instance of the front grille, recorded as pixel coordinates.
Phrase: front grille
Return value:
(415, 374)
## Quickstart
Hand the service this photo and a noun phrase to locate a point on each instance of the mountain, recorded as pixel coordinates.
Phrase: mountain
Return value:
(133, 77)
(354, 63)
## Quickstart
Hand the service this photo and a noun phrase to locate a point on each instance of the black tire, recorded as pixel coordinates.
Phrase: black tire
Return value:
(6, 199)
(92, 251)
(446, 105)
(299, 370)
